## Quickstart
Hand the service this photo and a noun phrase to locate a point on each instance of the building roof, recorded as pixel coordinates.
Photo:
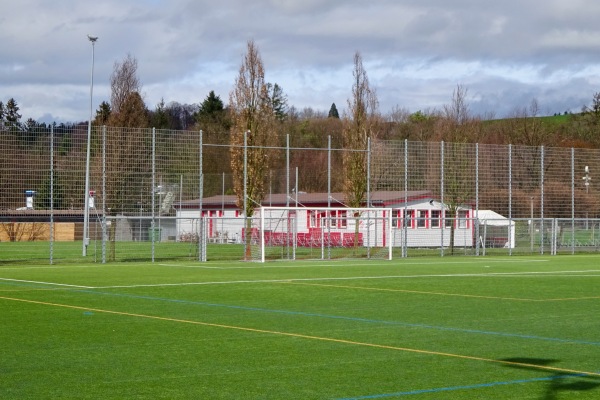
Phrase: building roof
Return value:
(492, 218)
(31, 215)
(338, 199)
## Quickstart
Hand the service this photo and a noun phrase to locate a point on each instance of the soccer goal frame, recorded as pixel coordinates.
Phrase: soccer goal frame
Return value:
(324, 233)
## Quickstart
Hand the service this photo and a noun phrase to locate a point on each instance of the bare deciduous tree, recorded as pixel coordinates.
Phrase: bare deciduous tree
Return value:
(126, 147)
(251, 112)
(458, 109)
(123, 82)
(359, 125)
(458, 169)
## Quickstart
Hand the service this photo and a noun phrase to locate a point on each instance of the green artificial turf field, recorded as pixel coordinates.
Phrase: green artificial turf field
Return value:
(425, 328)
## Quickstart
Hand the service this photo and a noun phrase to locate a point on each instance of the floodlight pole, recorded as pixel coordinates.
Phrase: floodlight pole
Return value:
(86, 205)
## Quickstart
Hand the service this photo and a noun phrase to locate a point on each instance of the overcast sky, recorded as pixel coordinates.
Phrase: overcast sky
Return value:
(505, 53)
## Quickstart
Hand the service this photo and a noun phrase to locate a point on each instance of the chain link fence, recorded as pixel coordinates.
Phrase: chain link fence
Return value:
(161, 195)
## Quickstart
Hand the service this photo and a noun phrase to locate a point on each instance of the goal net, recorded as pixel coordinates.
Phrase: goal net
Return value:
(294, 233)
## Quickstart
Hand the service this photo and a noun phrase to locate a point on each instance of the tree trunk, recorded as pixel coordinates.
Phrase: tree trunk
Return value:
(452, 238)
(356, 235)
(248, 240)
(112, 235)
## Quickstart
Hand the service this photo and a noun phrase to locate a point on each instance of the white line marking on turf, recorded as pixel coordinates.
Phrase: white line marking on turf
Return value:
(47, 283)
(494, 274)
(335, 263)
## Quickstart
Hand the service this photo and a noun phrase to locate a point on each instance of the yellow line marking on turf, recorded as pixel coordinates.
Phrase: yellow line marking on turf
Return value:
(573, 298)
(412, 291)
(440, 293)
(311, 337)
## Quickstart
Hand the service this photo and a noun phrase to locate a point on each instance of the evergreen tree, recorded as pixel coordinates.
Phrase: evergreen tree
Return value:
(278, 101)
(159, 118)
(31, 130)
(213, 117)
(211, 108)
(31, 124)
(102, 114)
(333, 112)
(11, 113)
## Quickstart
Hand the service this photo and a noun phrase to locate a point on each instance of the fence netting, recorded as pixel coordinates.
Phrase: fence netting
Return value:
(159, 195)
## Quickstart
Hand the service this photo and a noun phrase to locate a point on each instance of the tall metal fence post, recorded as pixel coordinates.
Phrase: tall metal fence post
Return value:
(51, 194)
(443, 205)
(572, 200)
(542, 235)
(476, 221)
(329, 193)
(287, 170)
(510, 220)
(104, 227)
(287, 192)
(404, 224)
(153, 223)
(202, 234)
(295, 241)
(368, 197)
(245, 195)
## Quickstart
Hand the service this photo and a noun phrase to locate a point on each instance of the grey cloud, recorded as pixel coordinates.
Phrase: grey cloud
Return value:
(506, 52)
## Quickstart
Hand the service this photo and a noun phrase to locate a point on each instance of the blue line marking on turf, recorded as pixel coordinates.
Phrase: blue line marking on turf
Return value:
(338, 317)
(465, 387)
(344, 318)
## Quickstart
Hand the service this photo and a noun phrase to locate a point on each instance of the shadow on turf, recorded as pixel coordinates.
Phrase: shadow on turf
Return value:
(557, 383)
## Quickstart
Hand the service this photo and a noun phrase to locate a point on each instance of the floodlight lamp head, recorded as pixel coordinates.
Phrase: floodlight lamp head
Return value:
(587, 169)
(92, 38)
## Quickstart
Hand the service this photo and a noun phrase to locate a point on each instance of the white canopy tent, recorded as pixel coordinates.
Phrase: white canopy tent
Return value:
(489, 218)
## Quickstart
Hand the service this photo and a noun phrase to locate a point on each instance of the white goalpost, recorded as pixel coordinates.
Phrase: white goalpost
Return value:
(294, 233)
